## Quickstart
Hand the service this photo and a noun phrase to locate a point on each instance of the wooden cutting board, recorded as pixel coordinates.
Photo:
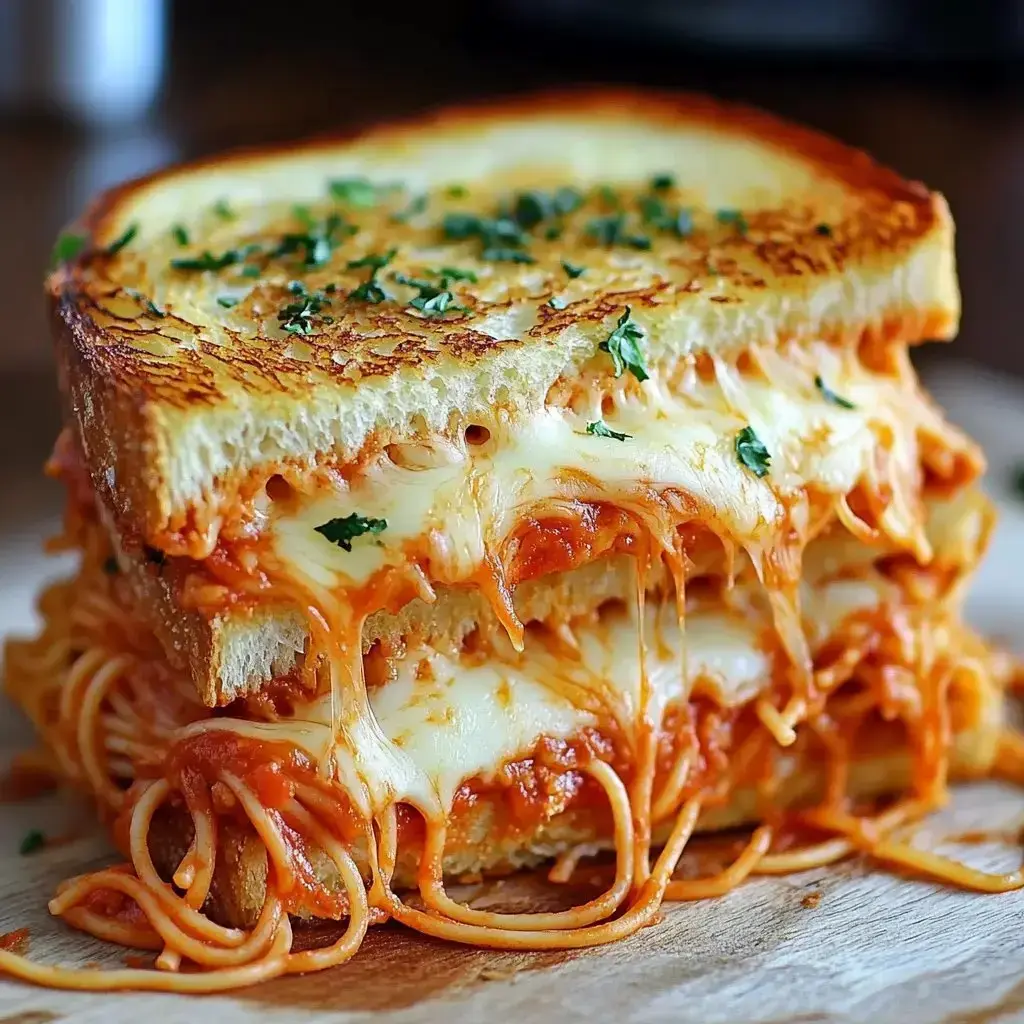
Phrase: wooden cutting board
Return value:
(850, 943)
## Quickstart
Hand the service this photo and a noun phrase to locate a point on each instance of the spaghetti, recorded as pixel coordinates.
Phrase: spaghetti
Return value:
(142, 755)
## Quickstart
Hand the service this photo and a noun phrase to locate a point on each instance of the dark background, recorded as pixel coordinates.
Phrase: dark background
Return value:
(932, 88)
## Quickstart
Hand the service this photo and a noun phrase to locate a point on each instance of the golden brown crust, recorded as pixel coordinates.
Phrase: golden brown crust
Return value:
(131, 381)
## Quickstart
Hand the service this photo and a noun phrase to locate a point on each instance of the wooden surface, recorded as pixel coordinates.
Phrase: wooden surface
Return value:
(846, 944)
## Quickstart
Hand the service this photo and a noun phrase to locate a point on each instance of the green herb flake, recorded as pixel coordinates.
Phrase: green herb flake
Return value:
(249, 270)
(601, 429)
(67, 247)
(31, 842)
(227, 301)
(368, 291)
(317, 242)
(147, 303)
(612, 230)
(623, 345)
(222, 210)
(345, 529)
(358, 192)
(179, 234)
(752, 453)
(448, 274)
(558, 302)
(530, 208)
(572, 270)
(608, 196)
(416, 206)
(373, 260)
(122, 240)
(207, 261)
(503, 254)
(553, 232)
(110, 566)
(456, 191)
(734, 217)
(566, 200)
(662, 182)
(297, 317)
(824, 230)
(830, 396)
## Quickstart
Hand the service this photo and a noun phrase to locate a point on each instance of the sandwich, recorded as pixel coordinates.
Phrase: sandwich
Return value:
(518, 484)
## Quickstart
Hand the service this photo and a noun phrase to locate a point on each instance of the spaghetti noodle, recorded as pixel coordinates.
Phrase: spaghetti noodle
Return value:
(142, 756)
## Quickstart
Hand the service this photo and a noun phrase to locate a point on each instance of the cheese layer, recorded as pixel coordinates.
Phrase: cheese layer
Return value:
(460, 501)
(440, 721)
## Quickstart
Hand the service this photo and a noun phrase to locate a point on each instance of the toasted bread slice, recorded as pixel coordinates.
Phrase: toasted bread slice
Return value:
(190, 383)
(234, 654)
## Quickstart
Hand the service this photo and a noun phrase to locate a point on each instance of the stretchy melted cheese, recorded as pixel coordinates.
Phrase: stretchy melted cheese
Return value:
(465, 500)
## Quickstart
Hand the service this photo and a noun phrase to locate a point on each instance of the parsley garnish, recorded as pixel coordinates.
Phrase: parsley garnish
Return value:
(530, 208)
(658, 214)
(456, 191)
(180, 234)
(623, 345)
(358, 192)
(318, 241)
(147, 303)
(249, 270)
(608, 195)
(120, 242)
(222, 210)
(752, 453)
(207, 261)
(110, 566)
(501, 238)
(374, 260)
(601, 429)
(557, 302)
(448, 274)
(67, 247)
(227, 301)
(343, 530)
(830, 396)
(566, 200)
(297, 317)
(432, 299)
(823, 229)
(572, 269)
(611, 230)
(553, 232)
(662, 182)
(733, 217)
(416, 205)
(31, 842)
(368, 291)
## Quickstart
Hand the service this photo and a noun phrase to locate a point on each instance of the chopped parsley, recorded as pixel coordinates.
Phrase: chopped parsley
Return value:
(566, 200)
(358, 192)
(147, 303)
(448, 274)
(122, 240)
(297, 317)
(662, 182)
(830, 396)
(571, 269)
(249, 270)
(370, 290)
(824, 230)
(501, 238)
(530, 208)
(180, 234)
(344, 529)
(658, 214)
(608, 195)
(623, 345)
(456, 191)
(317, 242)
(227, 301)
(110, 566)
(752, 453)
(67, 247)
(553, 232)
(207, 261)
(734, 217)
(416, 206)
(32, 841)
(557, 302)
(433, 300)
(222, 210)
(601, 429)
(613, 230)
(373, 260)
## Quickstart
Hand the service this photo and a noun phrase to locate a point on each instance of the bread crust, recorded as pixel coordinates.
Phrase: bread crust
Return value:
(174, 436)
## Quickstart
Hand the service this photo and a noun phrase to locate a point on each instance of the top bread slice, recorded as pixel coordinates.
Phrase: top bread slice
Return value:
(189, 385)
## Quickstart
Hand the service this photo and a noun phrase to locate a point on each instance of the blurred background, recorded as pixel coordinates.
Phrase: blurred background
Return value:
(95, 91)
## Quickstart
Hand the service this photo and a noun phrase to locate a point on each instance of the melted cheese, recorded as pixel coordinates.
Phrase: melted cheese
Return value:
(442, 721)
(461, 502)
